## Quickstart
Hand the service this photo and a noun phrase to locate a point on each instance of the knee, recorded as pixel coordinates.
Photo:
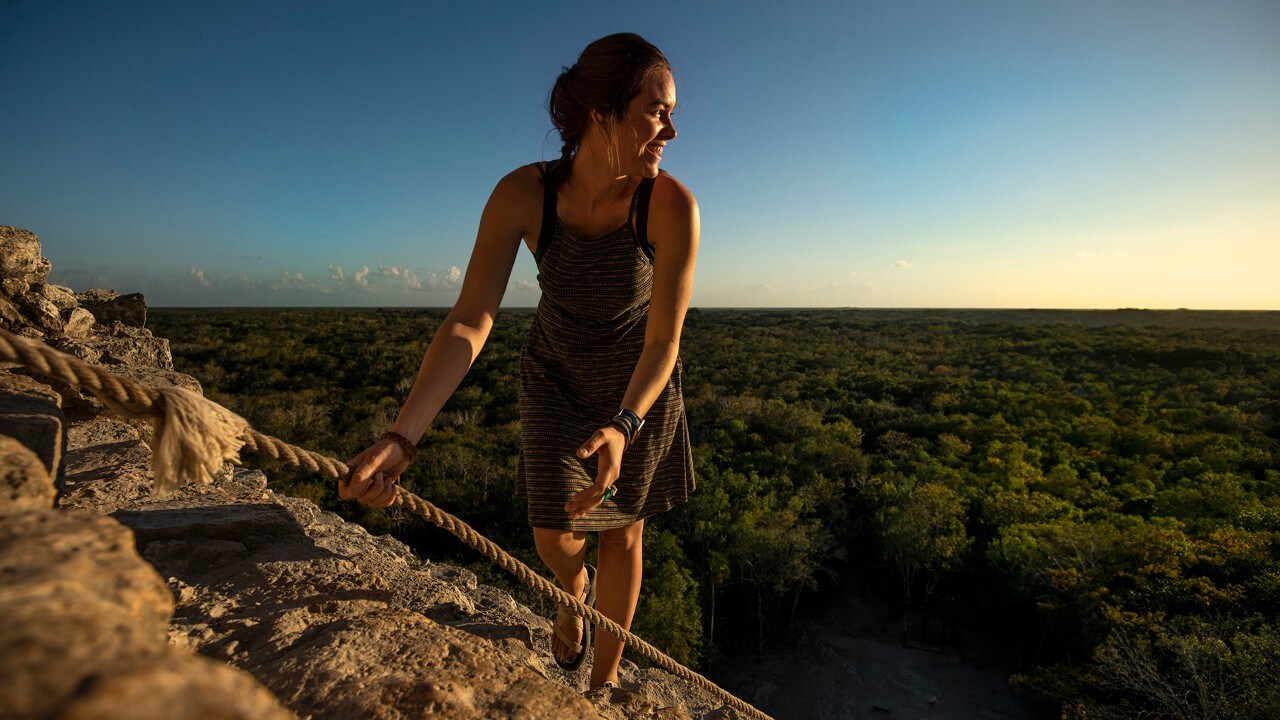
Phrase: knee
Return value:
(626, 539)
(554, 544)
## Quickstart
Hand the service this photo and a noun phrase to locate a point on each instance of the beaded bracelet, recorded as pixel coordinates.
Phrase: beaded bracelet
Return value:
(409, 449)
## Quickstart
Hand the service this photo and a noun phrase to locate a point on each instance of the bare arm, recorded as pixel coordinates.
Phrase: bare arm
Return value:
(674, 232)
(674, 229)
(458, 340)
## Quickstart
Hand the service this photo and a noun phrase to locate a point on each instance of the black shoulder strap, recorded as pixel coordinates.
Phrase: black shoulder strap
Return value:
(642, 217)
(548, 210)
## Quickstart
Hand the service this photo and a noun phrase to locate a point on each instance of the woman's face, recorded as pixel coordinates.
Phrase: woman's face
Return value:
(647, 126)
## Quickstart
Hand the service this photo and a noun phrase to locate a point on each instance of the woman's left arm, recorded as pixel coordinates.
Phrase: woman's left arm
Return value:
(673, 232)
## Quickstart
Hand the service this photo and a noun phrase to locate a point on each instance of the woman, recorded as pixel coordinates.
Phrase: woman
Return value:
(604, 443)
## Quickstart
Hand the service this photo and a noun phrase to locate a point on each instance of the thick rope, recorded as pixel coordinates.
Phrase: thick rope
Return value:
(129, 398)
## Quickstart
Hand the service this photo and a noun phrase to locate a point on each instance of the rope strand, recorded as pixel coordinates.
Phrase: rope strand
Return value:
(126, 397)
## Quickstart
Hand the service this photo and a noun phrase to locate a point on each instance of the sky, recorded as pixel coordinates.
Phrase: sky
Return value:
(1084, 154)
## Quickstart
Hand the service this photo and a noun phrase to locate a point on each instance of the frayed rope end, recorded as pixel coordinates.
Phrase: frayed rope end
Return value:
(193, 439)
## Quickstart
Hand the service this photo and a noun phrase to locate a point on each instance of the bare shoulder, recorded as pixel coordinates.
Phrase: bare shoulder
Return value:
(517, 199)
(671, 196)
(521, 184)
(673, 212)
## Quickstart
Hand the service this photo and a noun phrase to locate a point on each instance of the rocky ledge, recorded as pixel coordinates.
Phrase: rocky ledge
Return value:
(229, 601)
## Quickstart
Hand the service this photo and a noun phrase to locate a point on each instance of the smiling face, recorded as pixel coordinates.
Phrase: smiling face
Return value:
(646, 127)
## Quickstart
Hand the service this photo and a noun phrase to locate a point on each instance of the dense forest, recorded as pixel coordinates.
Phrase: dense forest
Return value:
(1101, 488)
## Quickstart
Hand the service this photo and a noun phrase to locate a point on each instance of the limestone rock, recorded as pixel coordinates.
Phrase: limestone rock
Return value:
(63, 298)
(122, 344)
(13, 286)
(31, 413)
(52, 308)
(77, 348)
(339, 623)
(10, 315)
(315, 609)
(75, 600)
(624, 704)
(108, 466)
(77, 322)
(39, 310)
(110, 306)
(180, 686)
(24, 482)
(20, 255)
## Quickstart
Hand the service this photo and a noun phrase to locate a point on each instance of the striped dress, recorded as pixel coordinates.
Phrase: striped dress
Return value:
(575, 366)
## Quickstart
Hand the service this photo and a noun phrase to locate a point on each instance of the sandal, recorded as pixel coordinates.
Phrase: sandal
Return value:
(564, 614)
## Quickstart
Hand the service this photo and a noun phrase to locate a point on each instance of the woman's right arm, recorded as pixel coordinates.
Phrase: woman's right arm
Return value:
(514, 205)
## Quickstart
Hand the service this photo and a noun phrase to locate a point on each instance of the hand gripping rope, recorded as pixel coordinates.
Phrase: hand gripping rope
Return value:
(194, 436)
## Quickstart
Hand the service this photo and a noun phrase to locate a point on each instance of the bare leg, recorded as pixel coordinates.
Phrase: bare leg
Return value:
(564, 551)
(617, 591)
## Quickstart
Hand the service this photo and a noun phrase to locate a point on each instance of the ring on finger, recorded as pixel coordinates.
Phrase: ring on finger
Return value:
(609, 493)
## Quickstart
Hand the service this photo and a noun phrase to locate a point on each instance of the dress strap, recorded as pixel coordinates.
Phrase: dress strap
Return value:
(548, 230)
(640, 216)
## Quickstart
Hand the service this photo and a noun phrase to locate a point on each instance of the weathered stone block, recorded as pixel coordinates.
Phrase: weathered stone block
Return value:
(77, 348)
(31, 413)
(20, 255)
(178, 687)
(24, 482)
(77, 322)
(63, 298)
(10, 315)
(39, 310)
(76, 599)
(110, 306)
(13, 286)
(125, 345)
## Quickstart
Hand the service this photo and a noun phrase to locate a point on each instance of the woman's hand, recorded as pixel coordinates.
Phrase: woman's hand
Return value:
(374, 475)
(607, 445)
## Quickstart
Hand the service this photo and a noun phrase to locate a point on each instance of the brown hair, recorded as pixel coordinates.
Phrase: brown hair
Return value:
(609, 74)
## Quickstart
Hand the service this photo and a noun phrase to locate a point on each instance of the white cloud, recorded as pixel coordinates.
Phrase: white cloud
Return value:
(384, 280)
(407, 279)
(901, 264)
(450, 279)
(290, 281)
(526, 285)
(201, 278)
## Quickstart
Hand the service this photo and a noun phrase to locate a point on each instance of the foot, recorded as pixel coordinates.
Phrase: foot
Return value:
(567, 640)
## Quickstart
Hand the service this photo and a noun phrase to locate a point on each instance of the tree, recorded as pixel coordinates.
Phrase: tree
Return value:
(921, 530)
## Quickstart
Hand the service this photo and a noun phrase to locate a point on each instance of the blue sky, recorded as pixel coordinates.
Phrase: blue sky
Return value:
(941, 154)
